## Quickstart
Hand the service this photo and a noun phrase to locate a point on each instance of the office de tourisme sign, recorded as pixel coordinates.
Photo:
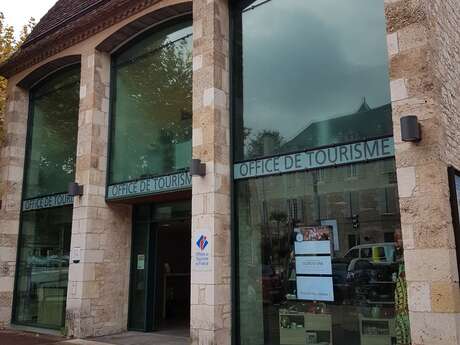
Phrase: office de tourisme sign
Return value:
(318, 158)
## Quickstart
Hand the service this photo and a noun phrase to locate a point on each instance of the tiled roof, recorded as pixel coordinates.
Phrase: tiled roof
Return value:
(62, 12)
(67, 23)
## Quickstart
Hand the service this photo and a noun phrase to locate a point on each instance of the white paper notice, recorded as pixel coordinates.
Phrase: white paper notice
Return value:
(312, 247)
(313, 265)
(315, 289)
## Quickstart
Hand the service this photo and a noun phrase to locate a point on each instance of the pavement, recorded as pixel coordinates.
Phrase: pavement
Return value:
(14, 337)
(140, 338)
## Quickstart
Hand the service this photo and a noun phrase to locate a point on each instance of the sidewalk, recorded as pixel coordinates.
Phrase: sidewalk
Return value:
(13, 337)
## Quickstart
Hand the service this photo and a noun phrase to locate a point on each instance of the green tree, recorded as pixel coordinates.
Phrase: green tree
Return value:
(8, 45)
(264, 143)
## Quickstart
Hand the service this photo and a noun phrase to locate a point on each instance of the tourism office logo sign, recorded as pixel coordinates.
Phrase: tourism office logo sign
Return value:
(201, 253)
(202, 243)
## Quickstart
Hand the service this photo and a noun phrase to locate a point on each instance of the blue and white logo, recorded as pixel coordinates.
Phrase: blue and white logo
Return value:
(202, 243)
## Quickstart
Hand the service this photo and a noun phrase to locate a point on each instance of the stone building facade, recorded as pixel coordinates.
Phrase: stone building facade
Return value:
(423, 75)
(423, 40)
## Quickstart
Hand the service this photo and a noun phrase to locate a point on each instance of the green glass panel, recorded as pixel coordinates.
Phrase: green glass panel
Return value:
(42, 269)
(139, 277)
(316, 75)
(283, 280)
(50, 162)
(152, 106)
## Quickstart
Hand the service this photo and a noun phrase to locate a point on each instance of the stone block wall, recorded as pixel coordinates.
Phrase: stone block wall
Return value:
(211, 287)
(12, 170)
(422, 53)
(443, 17)
(97, 298)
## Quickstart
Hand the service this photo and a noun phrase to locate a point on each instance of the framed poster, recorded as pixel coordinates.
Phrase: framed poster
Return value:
(313, 240)
(315, 289)
(313, 265)
(454, 186)
(313, 249)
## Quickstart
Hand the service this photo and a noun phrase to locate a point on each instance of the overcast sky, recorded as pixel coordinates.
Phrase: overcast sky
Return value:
(328, 57)
(18, 12)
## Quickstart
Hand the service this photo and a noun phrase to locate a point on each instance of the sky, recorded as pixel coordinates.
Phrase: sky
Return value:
(18, 12)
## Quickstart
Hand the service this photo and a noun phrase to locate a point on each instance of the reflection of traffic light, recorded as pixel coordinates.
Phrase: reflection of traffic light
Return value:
(355, 221)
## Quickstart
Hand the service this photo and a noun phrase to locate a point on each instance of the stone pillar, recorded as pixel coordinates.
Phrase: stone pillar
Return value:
(12, 170)
(97, 298)
(210, 285)
(429, 246)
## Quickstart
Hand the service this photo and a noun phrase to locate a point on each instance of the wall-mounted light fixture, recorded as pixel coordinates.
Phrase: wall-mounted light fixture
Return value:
(410, 129)
(197, 168)
(75, 189)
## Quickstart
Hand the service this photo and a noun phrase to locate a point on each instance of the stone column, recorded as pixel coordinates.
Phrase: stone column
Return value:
(97, 298)
(12, 170)
(429, 246)
(210, 285)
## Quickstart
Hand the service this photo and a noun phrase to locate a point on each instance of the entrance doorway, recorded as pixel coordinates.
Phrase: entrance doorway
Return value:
(160, 268)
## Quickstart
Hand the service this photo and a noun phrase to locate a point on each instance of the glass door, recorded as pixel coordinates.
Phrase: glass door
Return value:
(143, 267)
(160, 265)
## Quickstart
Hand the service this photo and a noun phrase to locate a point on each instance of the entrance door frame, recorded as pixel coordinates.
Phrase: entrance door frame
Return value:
(153, 310)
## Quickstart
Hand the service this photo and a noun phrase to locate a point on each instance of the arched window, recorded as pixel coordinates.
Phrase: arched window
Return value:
(46, 220)
(151, 113)
(53, 122)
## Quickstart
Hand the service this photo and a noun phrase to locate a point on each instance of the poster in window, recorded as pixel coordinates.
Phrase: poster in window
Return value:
(315, 289)
(313, 240)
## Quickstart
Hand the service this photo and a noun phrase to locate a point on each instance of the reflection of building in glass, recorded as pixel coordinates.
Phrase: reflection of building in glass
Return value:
(364, 123)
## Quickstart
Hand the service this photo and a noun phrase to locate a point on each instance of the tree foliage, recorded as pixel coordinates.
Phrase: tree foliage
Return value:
(8, 45)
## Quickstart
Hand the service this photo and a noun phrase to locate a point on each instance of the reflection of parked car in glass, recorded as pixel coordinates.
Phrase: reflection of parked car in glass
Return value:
(376, 252)
(339, 278)
(371, 281)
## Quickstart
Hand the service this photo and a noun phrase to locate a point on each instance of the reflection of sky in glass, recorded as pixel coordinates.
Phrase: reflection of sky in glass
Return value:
(155, 41)
(306, 61)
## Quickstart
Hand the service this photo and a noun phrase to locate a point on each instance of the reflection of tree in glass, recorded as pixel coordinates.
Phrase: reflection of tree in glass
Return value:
(156, 90)
(54, 140)
(264, 143)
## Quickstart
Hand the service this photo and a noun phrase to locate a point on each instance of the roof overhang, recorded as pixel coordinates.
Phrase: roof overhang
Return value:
(69, 33)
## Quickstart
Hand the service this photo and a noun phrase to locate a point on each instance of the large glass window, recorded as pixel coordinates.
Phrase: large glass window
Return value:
(152, 105)
(42, 268)
(319, 252)
(308, 74)
(44, 242)
(50, 163)
(320, 258)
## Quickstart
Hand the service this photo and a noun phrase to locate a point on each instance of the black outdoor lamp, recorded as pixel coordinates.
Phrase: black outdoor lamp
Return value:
(410, 129)
(197, 168)
(75, 189)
